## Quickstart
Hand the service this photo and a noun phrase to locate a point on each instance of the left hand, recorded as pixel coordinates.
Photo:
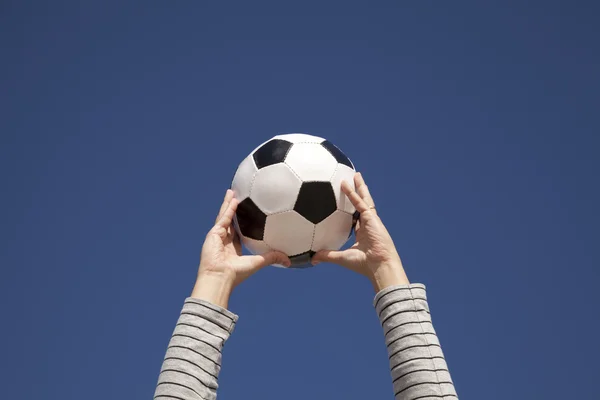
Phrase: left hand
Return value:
(374, 254)
(222, 265)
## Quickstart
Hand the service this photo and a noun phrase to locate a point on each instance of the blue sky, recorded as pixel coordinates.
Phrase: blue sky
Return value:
(476, 127)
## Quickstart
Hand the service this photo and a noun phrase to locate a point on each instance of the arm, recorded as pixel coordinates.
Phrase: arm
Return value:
(417, 363)
(192, 363)
(191, 366)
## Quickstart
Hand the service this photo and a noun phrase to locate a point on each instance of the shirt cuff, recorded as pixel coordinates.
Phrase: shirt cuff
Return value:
(218, 315)
(401, 292)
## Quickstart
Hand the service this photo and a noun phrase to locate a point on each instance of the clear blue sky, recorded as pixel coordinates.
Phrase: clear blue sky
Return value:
(475, 125)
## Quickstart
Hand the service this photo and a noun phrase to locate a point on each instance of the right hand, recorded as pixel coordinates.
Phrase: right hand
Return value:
(373, 254)
(222, 265)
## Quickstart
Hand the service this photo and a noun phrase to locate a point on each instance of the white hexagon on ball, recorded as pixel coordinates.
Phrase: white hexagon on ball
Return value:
(300, 138)
(244, 176)
(275, 188)
(311, 162)
(343, 173)
(332, 232)
(289, 232)
(255, 246)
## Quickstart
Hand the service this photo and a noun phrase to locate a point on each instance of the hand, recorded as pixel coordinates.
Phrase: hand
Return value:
(374, 254)
(222, 265)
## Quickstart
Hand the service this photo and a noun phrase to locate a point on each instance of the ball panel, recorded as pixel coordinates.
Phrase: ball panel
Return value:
(355, 218)
(272, 152)
(302, 260)
(288, 232)
(255, 246)
(337, 153)
(300, 138)
(236, 226)
(333, 231)
(311, 162)
(275, 189)
(316, 201)
(343, 173)
(251, 220)
(242, 180)
(260, 145)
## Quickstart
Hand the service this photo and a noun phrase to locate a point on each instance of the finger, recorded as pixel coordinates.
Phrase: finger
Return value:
(357, 226)
(226, 201)
(332, 256)
(363, 190)
(269, 258)
(354, 197)
(225, 220)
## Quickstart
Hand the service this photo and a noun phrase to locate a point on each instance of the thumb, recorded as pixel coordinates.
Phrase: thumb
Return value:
(271, 257)
(332, 256)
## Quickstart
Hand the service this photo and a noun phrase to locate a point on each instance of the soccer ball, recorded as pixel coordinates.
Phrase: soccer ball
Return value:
(290, 198)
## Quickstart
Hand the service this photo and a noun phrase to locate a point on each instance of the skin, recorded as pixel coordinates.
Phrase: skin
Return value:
(373, 255)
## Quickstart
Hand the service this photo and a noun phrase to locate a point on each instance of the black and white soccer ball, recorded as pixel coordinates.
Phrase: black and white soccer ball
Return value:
(290, 198)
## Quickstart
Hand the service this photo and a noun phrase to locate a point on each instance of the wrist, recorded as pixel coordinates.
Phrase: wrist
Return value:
(388, 274)
(213, 287)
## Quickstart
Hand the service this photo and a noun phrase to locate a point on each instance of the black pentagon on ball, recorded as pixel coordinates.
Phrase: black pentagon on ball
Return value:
(316, 201)
(251, 220)
(337, 153)
(302, 260)
(272, 152)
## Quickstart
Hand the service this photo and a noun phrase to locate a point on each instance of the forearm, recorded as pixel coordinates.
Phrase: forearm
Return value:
(417, 362)
(391, 274)
(214, 288)
(192, 363)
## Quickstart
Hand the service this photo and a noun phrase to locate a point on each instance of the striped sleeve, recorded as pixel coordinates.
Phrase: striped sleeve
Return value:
(417, 364)
(193, 359)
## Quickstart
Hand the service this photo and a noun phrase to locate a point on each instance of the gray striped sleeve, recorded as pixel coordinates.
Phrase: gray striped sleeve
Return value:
(417, 364)
(193, 360)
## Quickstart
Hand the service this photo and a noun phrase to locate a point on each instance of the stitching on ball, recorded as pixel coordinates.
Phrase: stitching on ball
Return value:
(252, 184)
(334, 172)
(312, 241)
(331, 183)
(268, 245)
(307, 142)
(294, 172)
(283, 212)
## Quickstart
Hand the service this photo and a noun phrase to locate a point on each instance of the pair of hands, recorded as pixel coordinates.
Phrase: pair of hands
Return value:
(223, 267)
